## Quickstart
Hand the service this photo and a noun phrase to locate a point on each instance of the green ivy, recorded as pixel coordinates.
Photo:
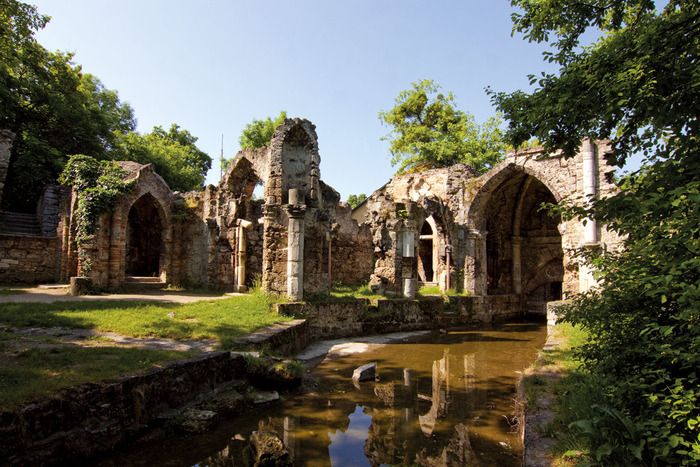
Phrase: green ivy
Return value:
(98, 185)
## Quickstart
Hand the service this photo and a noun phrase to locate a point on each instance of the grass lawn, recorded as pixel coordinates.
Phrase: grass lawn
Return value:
(223, 319)
(44, 369)
(575, 392)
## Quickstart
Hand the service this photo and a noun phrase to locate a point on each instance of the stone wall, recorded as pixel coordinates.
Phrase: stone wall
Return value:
(28, 260)
(84, 420)
(358, 317)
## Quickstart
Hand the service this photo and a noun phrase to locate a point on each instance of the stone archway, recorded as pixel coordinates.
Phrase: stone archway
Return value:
(144, 239)
(516, 246)
(428, 257)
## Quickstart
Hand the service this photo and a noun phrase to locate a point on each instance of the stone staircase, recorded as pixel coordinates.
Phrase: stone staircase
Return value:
(18, 223)
(142, 284)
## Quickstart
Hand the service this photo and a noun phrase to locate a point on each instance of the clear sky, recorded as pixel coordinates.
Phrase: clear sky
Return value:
(214, 65)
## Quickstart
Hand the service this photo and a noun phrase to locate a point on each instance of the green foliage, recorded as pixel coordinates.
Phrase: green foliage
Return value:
(355, 200)
(173, 153)
(98, 185)
(428, 131)
(258, 133)
(637, 86)
(51, 105)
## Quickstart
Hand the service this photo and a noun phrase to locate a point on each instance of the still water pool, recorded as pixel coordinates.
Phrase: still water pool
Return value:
(441, 399)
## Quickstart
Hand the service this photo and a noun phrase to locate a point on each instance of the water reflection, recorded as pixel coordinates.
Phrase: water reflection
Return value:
(440, 401)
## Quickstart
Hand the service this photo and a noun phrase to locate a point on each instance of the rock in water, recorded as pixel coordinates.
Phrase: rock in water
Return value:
(365, 372)
(269, 450)
(197, 421)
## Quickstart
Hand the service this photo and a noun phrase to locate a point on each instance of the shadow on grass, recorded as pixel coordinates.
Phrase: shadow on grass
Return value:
(217, 319)
(41, 371)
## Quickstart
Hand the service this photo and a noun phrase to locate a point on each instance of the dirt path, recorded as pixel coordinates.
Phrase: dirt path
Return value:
(92, 338)
(49, 294)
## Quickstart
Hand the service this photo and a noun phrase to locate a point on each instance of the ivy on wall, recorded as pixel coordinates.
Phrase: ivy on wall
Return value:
(98, 185)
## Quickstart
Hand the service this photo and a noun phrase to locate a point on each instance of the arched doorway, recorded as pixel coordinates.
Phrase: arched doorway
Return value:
(522, 246)
(427, 257)
(144, 240)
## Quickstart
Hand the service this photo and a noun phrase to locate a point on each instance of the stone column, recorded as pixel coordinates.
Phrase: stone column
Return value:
(590, 229)
(241, 255)
(590, 192)
(295, 245)
(517, 266)
(6, 140)
(475, 263)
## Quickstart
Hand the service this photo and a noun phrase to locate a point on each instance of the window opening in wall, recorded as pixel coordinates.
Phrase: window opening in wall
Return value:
(426, 271)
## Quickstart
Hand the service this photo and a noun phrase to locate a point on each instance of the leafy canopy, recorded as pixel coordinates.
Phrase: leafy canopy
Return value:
(428, 131)
(637, 85)
(355, 200)
(173, 153)
(258, 133)
(50, 104)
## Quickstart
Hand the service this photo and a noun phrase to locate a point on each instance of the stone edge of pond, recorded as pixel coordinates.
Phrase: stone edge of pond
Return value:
(533, 418)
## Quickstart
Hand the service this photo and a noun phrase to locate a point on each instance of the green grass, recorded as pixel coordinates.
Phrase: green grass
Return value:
(341, 293)
(427, 290)
(40, 372)
(223, 319)
(575, 392)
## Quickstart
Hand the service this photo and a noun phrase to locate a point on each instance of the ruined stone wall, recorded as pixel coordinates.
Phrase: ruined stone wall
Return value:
(28, 260)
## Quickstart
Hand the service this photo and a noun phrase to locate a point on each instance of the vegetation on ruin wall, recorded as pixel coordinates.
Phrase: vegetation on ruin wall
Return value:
(43, 369)
(637, 86)
(98, 185)
(428, 131)
(56, 109)
(223, 319)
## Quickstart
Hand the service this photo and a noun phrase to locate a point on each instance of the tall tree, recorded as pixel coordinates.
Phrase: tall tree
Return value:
(428, 131)
(258, 133)
(52, 107)
(637, 85)
(174, 154)
(355, 200)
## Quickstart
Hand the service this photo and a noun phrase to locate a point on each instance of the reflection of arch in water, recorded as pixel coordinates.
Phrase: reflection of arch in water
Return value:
(144, 239)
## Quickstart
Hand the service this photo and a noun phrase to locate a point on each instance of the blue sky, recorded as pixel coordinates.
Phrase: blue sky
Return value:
(213, 65)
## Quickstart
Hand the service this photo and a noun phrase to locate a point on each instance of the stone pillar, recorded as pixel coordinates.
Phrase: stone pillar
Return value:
(590, 192)
(475, 277)
(590, 229)
(241, 255)
(517, 266)
(6, 140)
(295, 245)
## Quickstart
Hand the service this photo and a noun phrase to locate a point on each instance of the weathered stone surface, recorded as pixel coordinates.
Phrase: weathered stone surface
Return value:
(366, 372)
(197, 421)
(269, 449)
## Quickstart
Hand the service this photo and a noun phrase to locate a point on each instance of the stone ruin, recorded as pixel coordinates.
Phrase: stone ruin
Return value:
(485, 235)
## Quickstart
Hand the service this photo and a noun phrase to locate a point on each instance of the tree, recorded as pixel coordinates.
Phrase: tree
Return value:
(355, 200)
(173, 153)
(428, 131)
(637, 85)
(258, 133)
(51, 105)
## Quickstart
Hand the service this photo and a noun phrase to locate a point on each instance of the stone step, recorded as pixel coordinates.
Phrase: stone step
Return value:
(19, 223)
(140, 284)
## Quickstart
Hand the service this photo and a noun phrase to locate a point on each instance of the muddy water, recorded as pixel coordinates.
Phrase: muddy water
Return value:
(441, 399)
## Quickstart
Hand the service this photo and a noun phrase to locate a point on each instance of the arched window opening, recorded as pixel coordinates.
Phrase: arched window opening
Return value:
(426, 253)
